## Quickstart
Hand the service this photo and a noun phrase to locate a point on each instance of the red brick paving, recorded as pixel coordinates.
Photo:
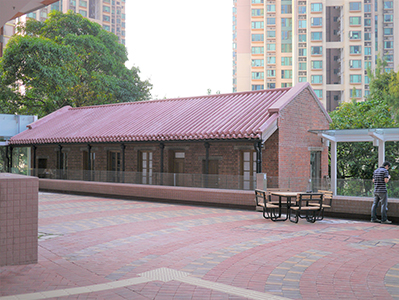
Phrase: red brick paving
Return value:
(331, 259)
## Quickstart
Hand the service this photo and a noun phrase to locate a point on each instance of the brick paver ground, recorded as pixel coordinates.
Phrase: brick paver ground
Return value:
(99, 248)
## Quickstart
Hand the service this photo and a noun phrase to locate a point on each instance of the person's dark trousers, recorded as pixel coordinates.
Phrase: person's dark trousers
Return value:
(383, 197)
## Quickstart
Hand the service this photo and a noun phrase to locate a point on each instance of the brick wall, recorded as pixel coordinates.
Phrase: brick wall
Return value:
(18, 219)
(296, 143)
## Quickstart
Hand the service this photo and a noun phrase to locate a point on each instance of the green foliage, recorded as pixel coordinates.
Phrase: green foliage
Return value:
(359, 160)
(65, 60)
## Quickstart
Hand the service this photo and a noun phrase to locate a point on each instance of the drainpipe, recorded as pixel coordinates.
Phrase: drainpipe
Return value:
(60, 161)
(10, 161)
(258, 149)
(34, 160)
(207, 145)
(162, 147)
(89, 160)
(123, 146)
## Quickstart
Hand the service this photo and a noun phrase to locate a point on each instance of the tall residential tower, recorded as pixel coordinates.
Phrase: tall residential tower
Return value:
(110, 14)
(329, 43)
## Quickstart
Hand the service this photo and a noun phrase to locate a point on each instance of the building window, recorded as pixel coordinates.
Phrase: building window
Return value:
(248, 169)
(286, 84)
(257, 1)
(317, 79)
(106, 9)
(302, 52)
(388, 58)
(107, 27)
(258, 50)
(271, 73)
(286, 35)
(355, 21)
(367, 22)
(367, 8)
(316, 7)
(388, 4)
(286, 8)
(355, 35)
(316, 21)
(286, 74)
(367, 64)
(286, 48)
(302, 38)
(319, 93)
(388, 70)
(367, 50)
(286, 22)
(316, 36)
(271, 21)
(388, 44)
(388, 31)
(271, 8)
(355, 6)
(367, 36)
(366, 79)
(257, 62)
(286, 61)
(271, 33)
(83, 3)
(257, 12)
(258, 75)
(317, 50)
(355, 78)
(106, 18)
(302, 23)
(271, 59)
(31, 15)
(145, 166)
(302, 10)
(302, 66)
(357, 93)
(257, 87)
(388, 18)
(302, 79)
(271, 47)
(355, 49)
(257, 25)
(83, 12)
(271, 85)
(317, 64)
(355, 64)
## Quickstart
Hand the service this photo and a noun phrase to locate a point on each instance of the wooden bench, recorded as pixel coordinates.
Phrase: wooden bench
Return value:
(269, 206)
(308, 206)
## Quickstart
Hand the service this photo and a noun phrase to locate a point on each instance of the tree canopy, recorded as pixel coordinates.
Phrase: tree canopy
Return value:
(65, 60)
(358, 160)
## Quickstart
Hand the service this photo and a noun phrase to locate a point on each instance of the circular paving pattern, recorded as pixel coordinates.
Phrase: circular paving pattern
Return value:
(99, 248)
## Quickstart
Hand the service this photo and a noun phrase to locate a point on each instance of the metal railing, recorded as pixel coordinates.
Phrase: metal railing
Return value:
(218, 181)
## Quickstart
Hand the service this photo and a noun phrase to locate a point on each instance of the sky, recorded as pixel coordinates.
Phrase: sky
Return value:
(184, 47)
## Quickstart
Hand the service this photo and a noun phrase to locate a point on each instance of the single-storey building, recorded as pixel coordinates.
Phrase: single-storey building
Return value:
(243, 134)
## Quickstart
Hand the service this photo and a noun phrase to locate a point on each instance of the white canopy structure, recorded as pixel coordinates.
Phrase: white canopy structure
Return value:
(376, 135)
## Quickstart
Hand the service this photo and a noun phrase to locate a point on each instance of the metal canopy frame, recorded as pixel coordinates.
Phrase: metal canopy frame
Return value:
(376, 135)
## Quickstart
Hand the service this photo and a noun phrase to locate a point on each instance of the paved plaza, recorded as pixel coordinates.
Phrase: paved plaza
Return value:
(102, 248)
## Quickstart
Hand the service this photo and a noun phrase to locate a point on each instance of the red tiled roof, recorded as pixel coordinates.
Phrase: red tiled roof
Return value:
(227, 116)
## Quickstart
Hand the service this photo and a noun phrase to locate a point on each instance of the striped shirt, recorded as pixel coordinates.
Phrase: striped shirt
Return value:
(379, 180)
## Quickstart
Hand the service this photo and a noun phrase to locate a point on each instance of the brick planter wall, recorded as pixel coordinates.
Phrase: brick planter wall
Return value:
(18, 219)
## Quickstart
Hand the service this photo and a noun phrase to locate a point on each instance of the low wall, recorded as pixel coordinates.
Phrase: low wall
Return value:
(343, 206)
(18, 219)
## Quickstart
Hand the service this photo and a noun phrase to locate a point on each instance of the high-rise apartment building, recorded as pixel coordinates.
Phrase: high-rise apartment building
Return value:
(110, 14)
(329, 43)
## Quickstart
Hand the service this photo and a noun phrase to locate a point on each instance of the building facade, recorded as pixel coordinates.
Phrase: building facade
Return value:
(110, 14)
(238, 134)
(328, 43)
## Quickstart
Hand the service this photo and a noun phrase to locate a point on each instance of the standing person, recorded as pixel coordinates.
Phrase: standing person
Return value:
(380, 178)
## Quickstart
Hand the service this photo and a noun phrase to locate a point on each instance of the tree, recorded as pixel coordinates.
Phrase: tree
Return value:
(358, 160)
(65, 60)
